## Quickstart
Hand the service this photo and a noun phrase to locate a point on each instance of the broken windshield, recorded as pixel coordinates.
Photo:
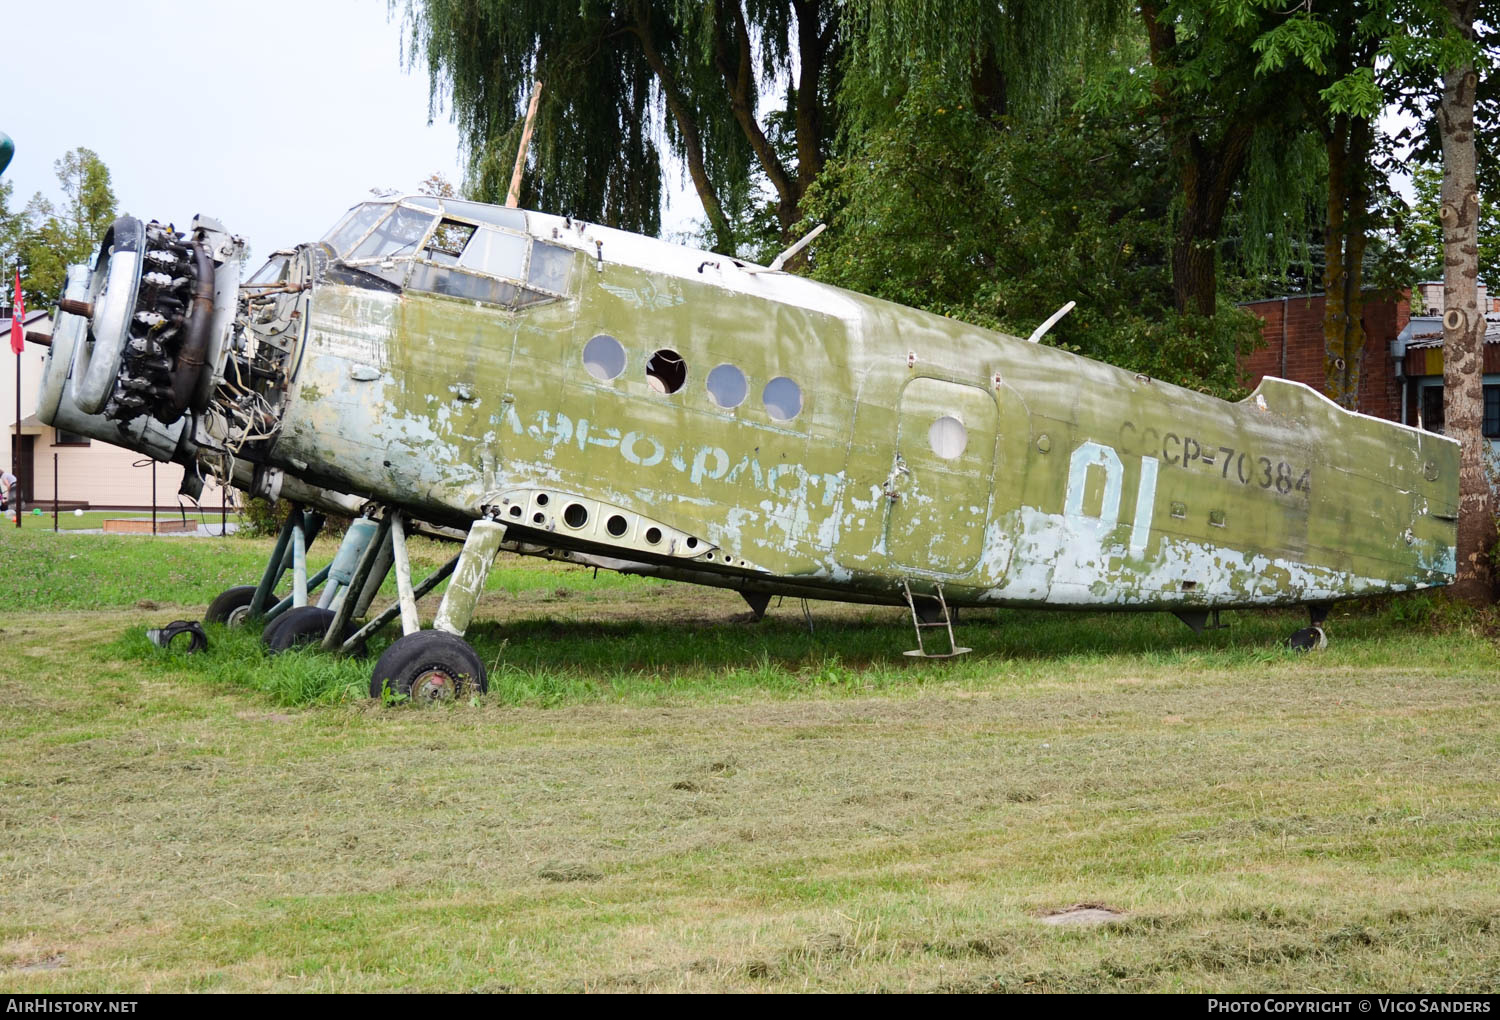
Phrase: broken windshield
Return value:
(399, 232)
(355, 224)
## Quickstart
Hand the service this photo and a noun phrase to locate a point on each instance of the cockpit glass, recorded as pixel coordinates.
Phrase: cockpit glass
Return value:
(353, 226)
(496, 253)
(452, 247)
(549, 266)
(400, 232)
(495, 215)
(273, 271)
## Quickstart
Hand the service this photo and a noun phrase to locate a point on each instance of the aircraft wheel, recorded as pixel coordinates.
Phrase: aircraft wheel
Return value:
(430, 665)
(232, 607)
(300, 625)
(1308, 639)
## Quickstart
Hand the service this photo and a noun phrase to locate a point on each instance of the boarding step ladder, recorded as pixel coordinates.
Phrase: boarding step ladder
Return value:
(942, 618)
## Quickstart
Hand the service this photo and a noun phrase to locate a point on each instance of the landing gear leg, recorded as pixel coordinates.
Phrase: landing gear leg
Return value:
(244, 603)
(291, 552)
(437, 664)
(294, 620)
(1313, 638)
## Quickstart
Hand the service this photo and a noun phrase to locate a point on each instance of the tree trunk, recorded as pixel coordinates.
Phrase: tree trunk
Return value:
(1207, 174)
(812, 49)
(1348, 142)
(1207, 170)
(1463, 321)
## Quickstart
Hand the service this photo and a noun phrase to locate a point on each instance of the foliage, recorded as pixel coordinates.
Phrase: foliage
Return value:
(591, 156)
(622, 76)
(12, 232)
(263, 518)
(52, 238)
(1183, 68)
(947, 210)
(1424, 231)
(1002, 59)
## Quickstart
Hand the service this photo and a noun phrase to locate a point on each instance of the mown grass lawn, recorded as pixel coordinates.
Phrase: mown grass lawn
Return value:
(658, 795)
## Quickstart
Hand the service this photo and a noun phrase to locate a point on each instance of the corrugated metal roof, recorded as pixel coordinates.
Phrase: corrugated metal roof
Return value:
(1426, 332)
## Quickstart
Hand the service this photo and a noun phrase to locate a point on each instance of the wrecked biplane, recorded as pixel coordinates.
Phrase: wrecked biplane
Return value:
(528, 382)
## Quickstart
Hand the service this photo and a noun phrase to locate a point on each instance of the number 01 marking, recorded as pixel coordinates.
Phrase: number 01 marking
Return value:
(1091, 454)
(1280, 477)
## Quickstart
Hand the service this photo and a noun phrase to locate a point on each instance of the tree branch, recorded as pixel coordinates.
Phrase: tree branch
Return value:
(738, 70)
(687, 126)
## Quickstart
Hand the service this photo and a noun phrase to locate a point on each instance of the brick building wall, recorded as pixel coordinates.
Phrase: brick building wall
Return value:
(1293, 332)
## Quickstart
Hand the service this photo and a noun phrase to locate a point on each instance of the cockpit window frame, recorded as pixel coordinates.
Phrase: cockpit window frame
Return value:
(526, 292)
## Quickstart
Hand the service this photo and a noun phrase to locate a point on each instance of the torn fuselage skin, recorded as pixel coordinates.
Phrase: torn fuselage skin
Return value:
(620, 401)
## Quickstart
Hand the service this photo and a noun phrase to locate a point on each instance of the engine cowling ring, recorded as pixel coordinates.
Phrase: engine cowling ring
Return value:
(70, 333)
(116, 281)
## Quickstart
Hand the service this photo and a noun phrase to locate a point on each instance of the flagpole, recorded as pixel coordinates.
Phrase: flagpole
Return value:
(15, 450)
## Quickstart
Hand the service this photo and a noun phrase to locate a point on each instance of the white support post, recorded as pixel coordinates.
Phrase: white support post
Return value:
(410, 621)
(299, 563)
(462, 594)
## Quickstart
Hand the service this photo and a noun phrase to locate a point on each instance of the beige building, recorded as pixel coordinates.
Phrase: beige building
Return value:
(89, 473)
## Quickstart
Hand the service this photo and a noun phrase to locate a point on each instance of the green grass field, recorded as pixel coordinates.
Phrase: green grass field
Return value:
(659, 795)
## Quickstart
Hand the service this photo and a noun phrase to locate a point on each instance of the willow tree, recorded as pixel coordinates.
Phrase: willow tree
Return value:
(1334, 61)
(618, 76)
(1197, 85)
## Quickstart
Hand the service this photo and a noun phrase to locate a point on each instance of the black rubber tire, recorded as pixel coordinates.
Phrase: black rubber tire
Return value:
(222, 609)
(430, 665)
(300, 625)
(1308, 639)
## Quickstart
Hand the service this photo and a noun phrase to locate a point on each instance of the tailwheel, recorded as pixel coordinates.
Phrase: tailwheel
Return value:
(1313, 638)
(429, 665)
(1308, 639)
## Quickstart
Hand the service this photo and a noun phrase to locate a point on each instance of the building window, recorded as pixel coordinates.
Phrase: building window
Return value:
(61, 437)
(1432, 410)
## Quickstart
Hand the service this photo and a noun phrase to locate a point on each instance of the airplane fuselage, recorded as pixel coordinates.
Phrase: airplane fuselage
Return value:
(897, 446)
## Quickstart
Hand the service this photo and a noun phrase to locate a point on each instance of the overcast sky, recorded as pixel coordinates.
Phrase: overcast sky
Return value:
(273, 115)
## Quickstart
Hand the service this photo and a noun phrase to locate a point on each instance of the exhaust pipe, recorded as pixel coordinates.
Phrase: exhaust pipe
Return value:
(200, 320)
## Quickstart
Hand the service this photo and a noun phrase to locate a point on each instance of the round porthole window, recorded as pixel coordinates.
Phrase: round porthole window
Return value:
(666, 371)
(727, 386)
(783, 398)
(604, 357)
(948, 437)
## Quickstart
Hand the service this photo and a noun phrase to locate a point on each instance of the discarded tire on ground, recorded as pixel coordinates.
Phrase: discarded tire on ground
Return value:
(430, 665)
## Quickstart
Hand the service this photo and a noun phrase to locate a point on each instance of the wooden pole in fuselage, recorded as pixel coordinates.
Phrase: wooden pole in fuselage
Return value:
(513, 196)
